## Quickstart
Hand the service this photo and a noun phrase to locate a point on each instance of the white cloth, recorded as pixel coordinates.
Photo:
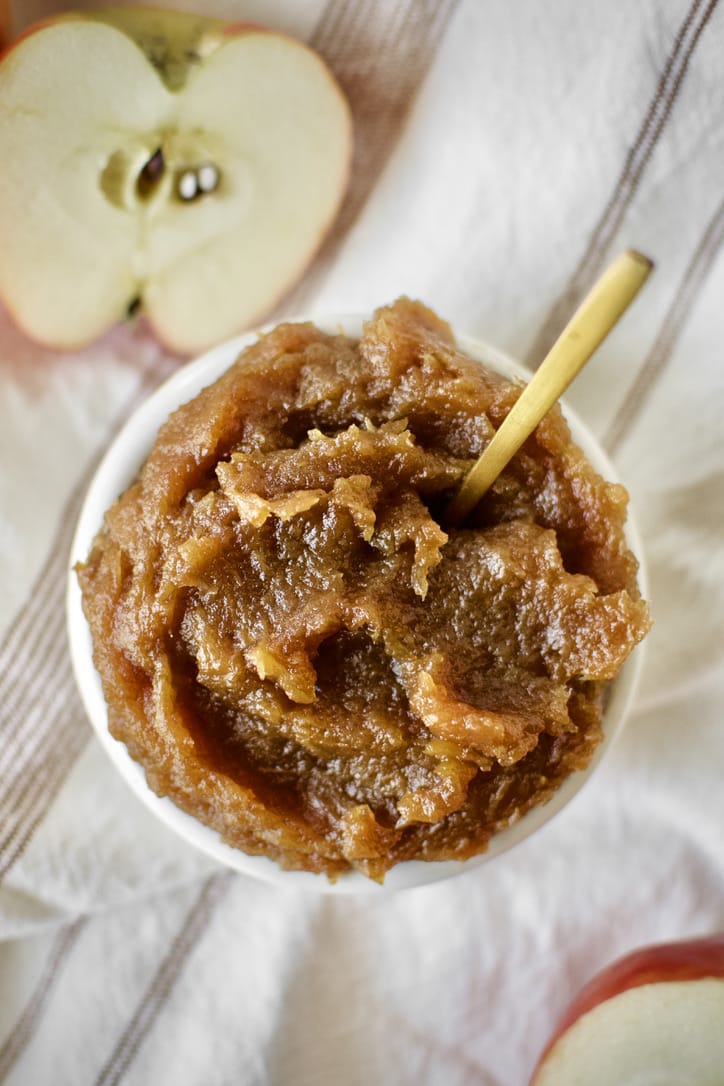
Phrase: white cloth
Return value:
(540, 139)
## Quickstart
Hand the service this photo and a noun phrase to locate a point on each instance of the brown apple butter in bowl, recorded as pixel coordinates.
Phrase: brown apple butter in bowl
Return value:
(305, 657)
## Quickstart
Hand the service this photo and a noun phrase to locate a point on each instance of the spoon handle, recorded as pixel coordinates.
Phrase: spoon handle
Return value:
(597, 314)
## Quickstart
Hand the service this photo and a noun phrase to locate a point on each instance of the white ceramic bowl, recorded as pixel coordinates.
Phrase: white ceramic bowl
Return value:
(115, 473)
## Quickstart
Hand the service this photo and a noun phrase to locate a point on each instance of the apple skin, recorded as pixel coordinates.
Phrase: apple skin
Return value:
(177, 47)
(5, 22)
(692, 959)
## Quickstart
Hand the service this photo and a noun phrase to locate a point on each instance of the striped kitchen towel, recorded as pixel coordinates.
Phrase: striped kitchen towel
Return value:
(504, 153)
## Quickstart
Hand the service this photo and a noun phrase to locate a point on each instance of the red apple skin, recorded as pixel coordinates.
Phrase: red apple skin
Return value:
(7, 45)
(6, 19)
(692, 959)
(233, 28)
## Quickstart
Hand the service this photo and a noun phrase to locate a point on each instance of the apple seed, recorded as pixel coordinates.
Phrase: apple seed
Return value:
(208, 177)
(150, 175)
(197, 181)
(187, 185)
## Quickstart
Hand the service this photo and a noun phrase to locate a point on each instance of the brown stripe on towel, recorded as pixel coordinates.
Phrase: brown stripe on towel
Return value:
(197, 920)
(381, 61)
(39, 627)
(43, 726)
(678, 314)
(60, 745)
(44, 715)
(637, 158)
(42, 622)
(23, 1032)
(32, 619)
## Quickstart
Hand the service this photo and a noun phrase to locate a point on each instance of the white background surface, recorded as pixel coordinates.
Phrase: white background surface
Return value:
(510, 155)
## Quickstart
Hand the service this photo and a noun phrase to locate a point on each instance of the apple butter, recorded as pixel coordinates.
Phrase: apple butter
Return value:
(303, 655)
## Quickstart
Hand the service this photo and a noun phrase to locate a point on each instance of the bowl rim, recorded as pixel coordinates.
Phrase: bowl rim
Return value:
(116, 471)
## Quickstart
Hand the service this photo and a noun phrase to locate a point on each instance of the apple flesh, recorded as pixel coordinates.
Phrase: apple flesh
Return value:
(173, 162)
(654, 1018)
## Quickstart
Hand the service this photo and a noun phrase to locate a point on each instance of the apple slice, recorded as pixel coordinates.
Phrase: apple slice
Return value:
(151, 158)
(654, 1018)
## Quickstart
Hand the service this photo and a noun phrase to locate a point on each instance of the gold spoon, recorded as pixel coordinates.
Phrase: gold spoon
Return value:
(597, 314)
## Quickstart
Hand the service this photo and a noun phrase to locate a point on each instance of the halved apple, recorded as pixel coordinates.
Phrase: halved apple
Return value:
(653, 1018)
(150, 158)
